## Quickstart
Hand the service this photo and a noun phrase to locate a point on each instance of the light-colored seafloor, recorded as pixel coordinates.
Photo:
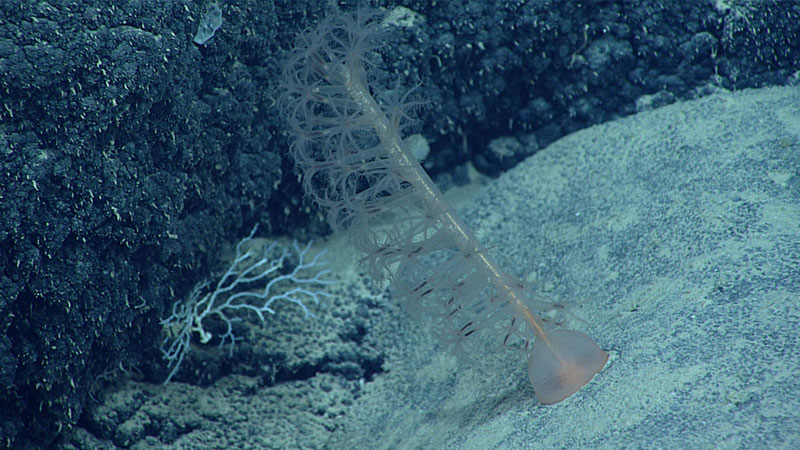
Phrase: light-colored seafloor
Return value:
(679, 230)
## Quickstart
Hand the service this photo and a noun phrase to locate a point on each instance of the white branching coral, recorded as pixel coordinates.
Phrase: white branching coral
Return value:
(255, 280)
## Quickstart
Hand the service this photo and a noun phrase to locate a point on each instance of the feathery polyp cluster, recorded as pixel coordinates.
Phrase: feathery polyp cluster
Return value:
(255, 280)
(340, 132)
